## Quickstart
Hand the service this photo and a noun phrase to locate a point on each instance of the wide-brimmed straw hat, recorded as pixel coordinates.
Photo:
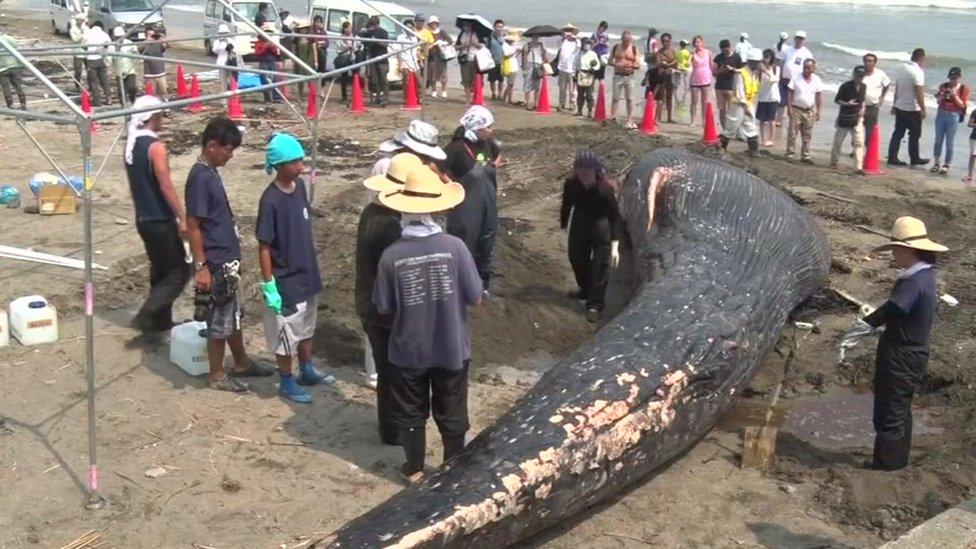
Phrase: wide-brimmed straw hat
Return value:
(396, 174)
(423, 193)
(910, 232)
(569, 27)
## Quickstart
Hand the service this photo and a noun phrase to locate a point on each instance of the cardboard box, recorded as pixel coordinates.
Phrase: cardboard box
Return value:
(56, 200)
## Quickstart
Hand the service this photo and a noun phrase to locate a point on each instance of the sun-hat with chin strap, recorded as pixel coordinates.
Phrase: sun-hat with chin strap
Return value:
(423, 193)
(910, 232)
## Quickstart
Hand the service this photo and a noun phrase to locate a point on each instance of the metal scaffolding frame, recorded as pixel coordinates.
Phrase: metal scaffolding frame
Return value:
(85, 123)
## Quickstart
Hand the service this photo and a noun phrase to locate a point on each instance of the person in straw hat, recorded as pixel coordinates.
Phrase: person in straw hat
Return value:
(424, 282)
(903, 350)
(379, 227)
(567, 58)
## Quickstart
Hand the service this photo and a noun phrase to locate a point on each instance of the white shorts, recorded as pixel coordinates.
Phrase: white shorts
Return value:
(972, 147)
(283, 333)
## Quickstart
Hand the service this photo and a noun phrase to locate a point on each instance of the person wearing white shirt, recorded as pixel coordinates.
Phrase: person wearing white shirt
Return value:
(125, 67)
(77, 29)
(909, 110)
(744, 46)
(569, 50)
(219, 48)
(511, 52)
(804, 105)
(876, 83)
(791, 61)
(96, 40)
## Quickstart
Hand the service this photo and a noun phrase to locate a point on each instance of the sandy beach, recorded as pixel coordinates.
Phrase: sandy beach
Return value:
(256, 471)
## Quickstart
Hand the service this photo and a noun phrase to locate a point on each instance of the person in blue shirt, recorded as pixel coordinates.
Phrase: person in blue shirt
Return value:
(290, 275)
(903, 350)
(216, 248)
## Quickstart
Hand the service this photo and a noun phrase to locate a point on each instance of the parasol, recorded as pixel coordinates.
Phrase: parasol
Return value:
(542, 31)
(481, 25)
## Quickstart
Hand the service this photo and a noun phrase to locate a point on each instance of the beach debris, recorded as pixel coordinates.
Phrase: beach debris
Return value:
(156, 472)
(230, 485)
(949, 300)
(787, 489)
(89, 539)
(121, 221)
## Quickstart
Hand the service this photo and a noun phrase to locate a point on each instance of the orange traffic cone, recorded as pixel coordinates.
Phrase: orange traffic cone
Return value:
(710, 135)
(181, 91)
(600, 114)
(543, 106)
(872, 160)
(410, 100)
(479, 91)
(358, 106)
(196, 106)
(86, 107)
(649, 124)
(234, 109)
(312, 108)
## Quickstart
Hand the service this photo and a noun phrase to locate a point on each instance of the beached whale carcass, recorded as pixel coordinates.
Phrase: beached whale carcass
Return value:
(723, 258)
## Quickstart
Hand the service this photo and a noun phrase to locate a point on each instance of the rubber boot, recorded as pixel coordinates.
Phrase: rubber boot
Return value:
(414, 442)
(753, 146)
(452, 446)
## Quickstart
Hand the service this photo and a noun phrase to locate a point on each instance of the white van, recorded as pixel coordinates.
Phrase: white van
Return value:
(61, 12)
(335, 12)
(215, 15)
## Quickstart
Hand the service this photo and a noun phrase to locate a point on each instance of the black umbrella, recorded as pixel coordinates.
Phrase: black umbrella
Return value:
(481, 25)
(542, 31)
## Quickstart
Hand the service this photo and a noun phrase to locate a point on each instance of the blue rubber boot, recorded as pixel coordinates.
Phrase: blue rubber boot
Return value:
(292, 391)
(308, 374)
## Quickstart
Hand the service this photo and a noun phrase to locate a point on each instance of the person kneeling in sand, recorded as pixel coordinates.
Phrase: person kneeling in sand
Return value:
(290, 278)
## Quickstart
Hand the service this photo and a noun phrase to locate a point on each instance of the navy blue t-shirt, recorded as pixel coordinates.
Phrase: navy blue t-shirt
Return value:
(285, 224)
(206, 199)
(909, 311)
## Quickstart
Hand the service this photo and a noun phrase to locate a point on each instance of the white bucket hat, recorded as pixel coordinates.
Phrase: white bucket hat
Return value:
(433, 19)
(910, 232)
(420, 137)
(800, 34)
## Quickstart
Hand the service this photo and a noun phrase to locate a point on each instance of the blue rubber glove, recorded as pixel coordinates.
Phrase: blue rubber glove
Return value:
(271, 296)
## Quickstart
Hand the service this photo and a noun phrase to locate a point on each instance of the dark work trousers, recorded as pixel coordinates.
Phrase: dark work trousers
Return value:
(905, 121)
(589, 254)
(897, 375)
(272, 94)
(870, 121)
(168, 273)
(584, 97)
(414, 394)
(11, 78)
(379, 87)
(379, 341)
(79, 72)
(130, 89)
(98, 82)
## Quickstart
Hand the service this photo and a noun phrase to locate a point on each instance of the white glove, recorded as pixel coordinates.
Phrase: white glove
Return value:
(614, 253)
(852, 337)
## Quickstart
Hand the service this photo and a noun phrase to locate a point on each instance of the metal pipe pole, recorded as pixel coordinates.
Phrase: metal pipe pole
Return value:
(95, 500)
(40, 76)
(81, 49)
(347, 38)
(228, 94)
(50, 160)
(298, 60)
(191, 63)
(30, 115)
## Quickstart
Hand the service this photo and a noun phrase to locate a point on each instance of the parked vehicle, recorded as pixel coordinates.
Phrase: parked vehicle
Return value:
(128, 14)
(61, 12)
(215, 15)
(335, 12)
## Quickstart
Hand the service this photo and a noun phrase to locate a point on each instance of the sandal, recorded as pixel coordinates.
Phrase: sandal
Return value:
(254, 369)
(967, 179)
(228, 384)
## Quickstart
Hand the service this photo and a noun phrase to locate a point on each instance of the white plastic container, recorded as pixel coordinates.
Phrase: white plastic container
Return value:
(188, 348)
(33, 320)
(4, 329)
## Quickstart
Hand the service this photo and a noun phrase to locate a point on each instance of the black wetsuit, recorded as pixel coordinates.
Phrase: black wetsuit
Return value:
(593, 226)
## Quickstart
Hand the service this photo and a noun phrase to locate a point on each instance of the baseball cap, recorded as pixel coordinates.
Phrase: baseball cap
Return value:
(955, 71)
(433, 19)
(800, 34)
(860, 70)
